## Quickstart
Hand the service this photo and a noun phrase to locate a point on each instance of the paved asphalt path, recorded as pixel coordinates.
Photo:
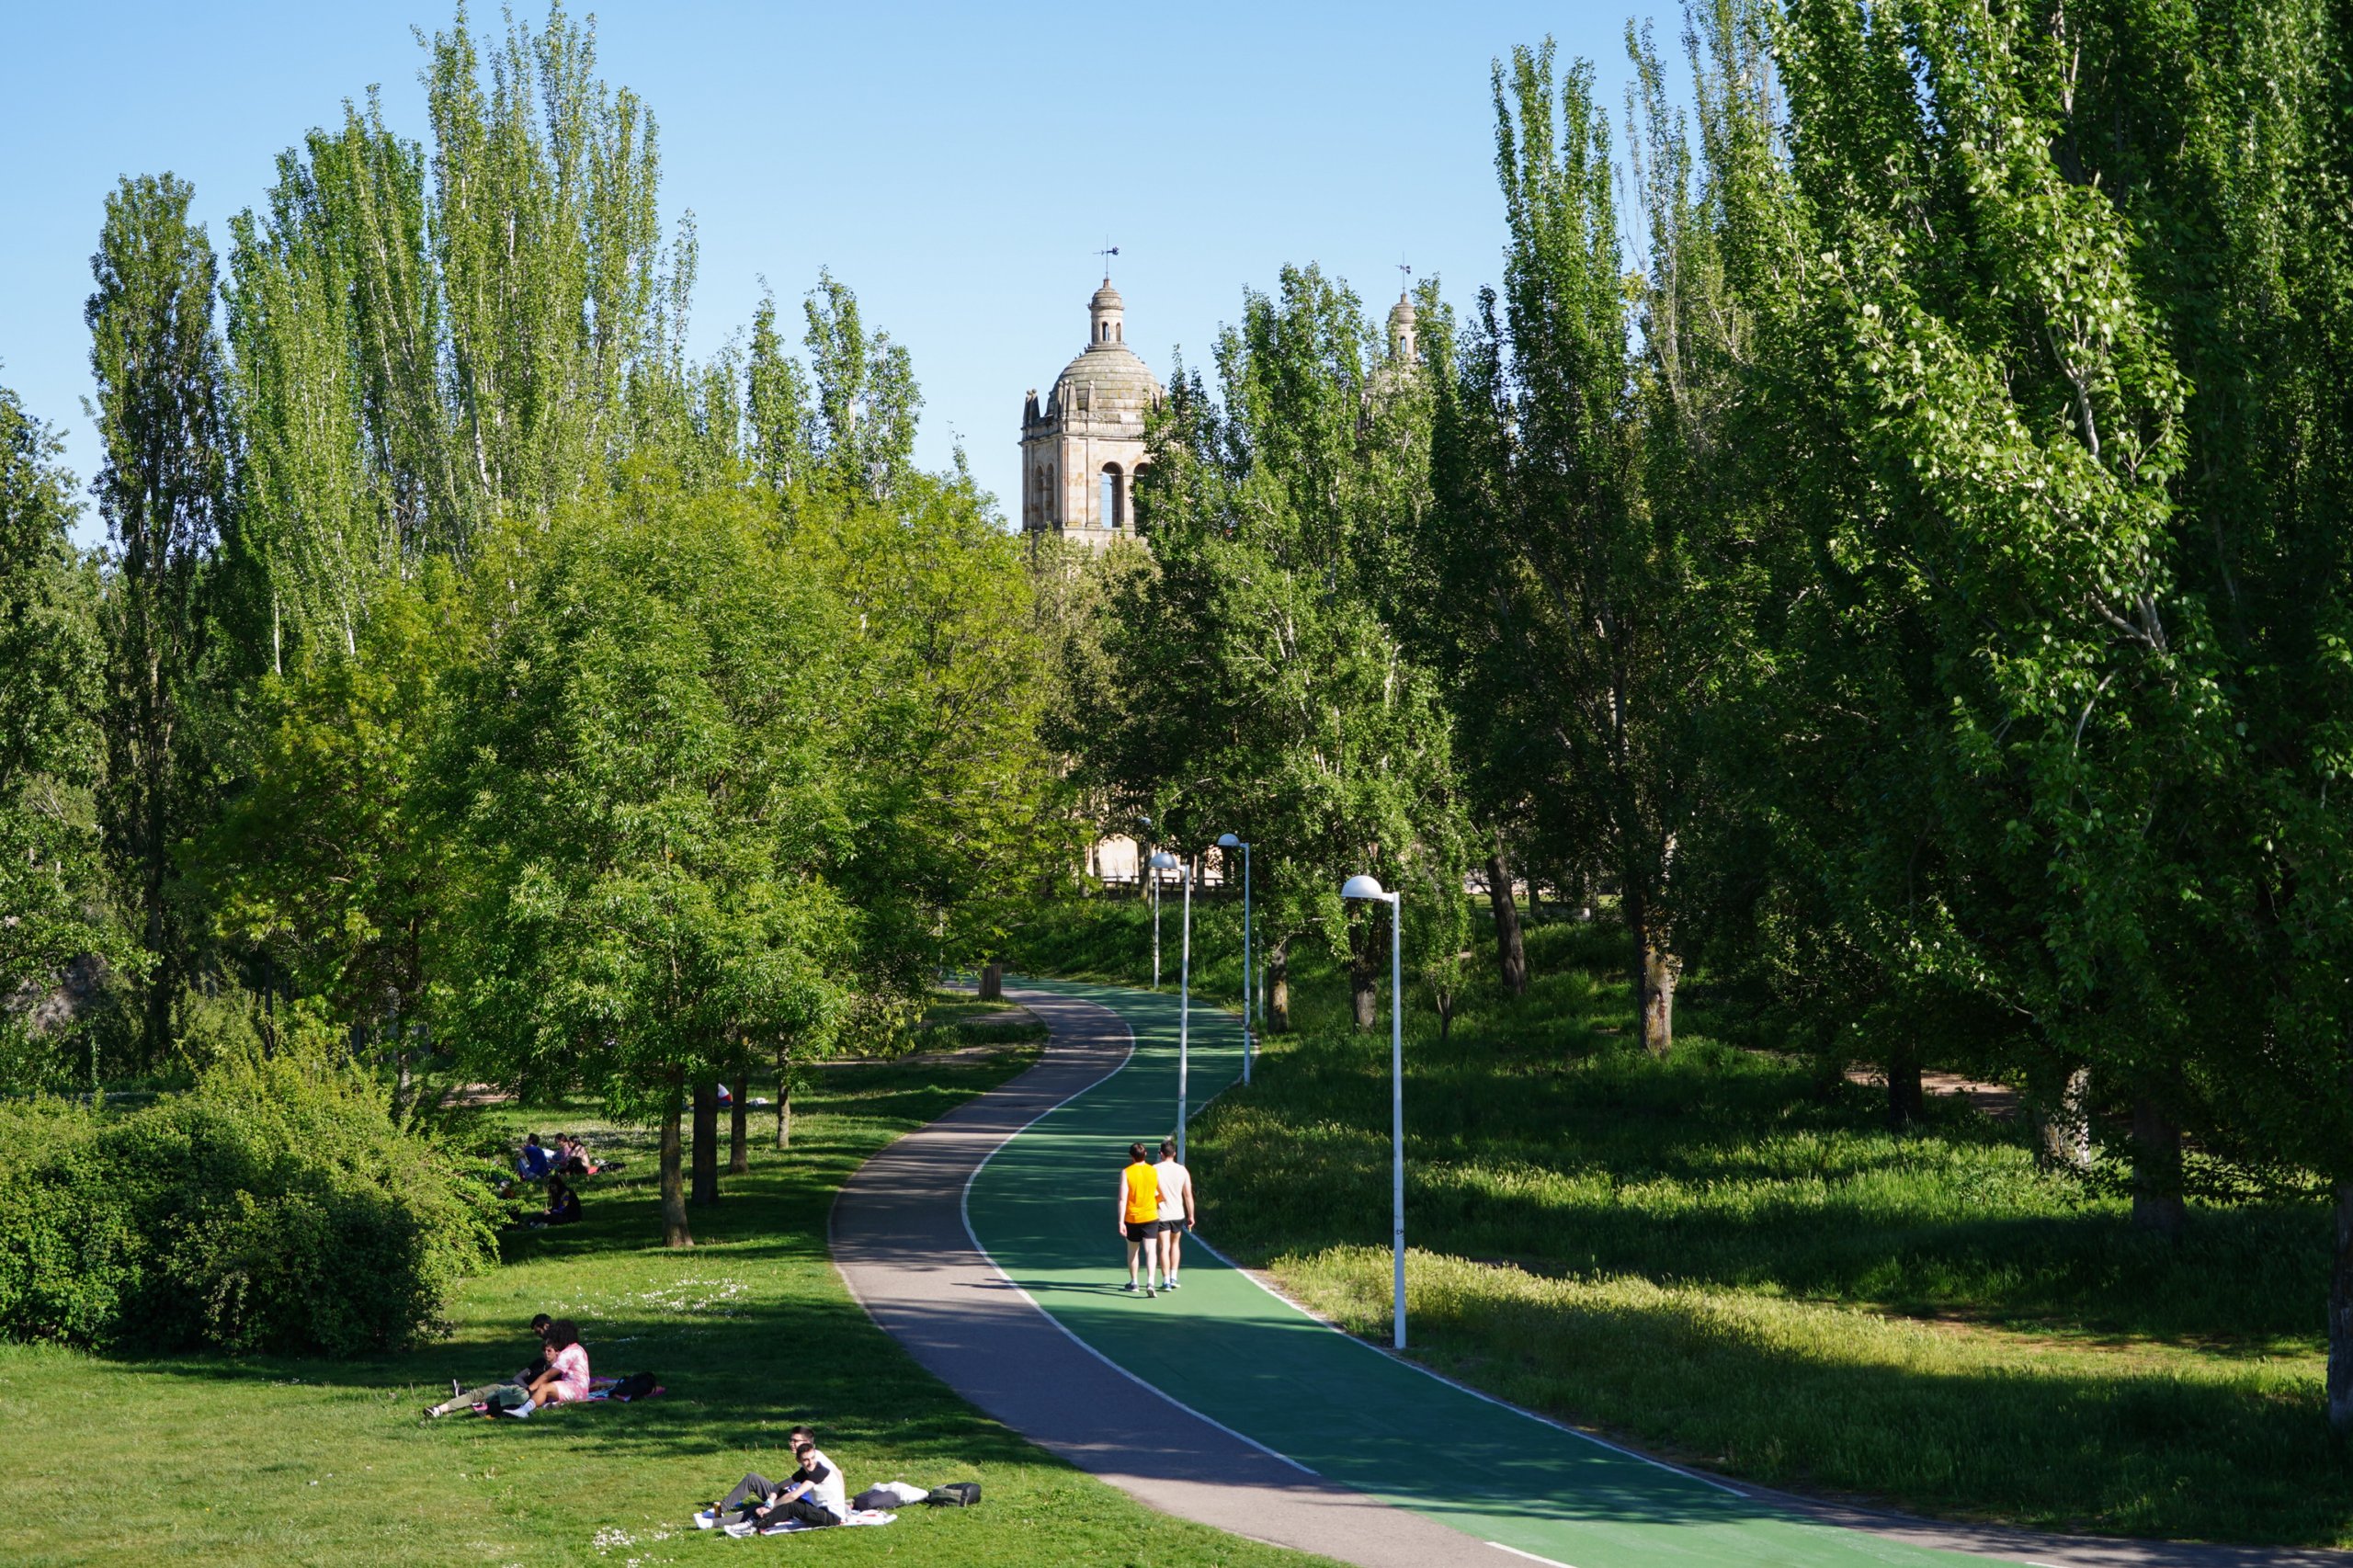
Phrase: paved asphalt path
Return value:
(984, 1243)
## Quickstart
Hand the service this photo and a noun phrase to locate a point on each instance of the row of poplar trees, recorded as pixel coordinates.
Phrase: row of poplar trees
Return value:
(1890, 527)
(474, 680)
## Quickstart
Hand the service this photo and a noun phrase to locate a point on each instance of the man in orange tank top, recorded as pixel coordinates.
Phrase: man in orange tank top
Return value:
(1139, 1209)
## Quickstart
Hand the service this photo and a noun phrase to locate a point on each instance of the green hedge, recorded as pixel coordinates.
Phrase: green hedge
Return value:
(275, 1207)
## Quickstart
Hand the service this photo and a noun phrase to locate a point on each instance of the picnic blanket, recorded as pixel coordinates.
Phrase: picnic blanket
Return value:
(794, 1527)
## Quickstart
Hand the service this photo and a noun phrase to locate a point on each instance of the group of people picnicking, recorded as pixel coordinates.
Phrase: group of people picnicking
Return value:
(1156, 1206)
(557, 1168)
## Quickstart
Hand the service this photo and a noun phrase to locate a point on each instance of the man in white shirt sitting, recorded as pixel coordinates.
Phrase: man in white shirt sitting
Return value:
(1176, 1207)
(815, 1495)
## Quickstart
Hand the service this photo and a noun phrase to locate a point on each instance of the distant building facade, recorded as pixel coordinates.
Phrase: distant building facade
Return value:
(1081, 447)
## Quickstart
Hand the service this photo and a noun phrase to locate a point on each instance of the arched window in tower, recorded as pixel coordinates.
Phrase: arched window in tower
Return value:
(1114, 501)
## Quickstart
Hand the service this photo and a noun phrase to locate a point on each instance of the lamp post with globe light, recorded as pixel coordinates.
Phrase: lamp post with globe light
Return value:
(1163, 861)
(1369, 888)
(1249, 994)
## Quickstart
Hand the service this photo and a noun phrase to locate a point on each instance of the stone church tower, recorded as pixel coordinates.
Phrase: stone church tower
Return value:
(1080, 452)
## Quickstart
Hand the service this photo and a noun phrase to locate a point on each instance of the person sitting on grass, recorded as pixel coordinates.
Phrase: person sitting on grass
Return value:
(533, 1162)
(466, 1399)
(817, 1495)
(566, 1380)
(563, 1205)
(572, 1156)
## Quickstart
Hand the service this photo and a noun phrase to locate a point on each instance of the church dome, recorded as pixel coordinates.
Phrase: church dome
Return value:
(1106, 382)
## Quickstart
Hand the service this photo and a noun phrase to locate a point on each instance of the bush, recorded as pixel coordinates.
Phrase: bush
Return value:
(275, 1207)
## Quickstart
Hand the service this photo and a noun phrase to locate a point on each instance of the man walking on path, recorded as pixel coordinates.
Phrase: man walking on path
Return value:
(1139, 1215)
(1176, 1207)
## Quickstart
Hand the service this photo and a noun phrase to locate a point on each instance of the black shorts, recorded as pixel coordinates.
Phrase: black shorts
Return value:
(1143, 1229)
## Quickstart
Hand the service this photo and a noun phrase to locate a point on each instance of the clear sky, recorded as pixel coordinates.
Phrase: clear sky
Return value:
(958, 165)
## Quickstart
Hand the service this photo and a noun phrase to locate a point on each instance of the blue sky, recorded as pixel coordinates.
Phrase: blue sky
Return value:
(956, 164)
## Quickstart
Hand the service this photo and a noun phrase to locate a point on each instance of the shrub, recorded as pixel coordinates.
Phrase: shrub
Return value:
(68, 1245)
(275, 1207)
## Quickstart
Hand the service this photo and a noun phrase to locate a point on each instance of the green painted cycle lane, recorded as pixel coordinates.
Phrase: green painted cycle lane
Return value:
(1353, 1415)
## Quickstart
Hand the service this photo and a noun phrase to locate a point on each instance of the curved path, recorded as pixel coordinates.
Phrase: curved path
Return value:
(982, 1242)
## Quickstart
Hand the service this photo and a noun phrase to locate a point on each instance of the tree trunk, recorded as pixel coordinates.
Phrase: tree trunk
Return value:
(739, 1152)
(2340, 1318)
(674, 1193)
(1511, 951)
(992, 986)
(1907, 1102)
(706, 1172)
(1279, 988)
(1364, 969)
(784, 1098)
(2059, 1110)
(2156, 1172)
(1661, 972)
(1656, 970)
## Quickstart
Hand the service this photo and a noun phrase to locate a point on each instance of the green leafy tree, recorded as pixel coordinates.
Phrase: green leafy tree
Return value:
(1258, 688)
(52, 884)
(330, 864)
(157, 361)
(649, 805)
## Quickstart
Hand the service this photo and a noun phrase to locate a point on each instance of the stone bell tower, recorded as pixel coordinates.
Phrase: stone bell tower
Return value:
(1081, 450)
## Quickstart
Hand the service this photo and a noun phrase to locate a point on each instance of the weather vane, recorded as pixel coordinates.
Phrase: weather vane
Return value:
(1404, 279)
(1107, 253)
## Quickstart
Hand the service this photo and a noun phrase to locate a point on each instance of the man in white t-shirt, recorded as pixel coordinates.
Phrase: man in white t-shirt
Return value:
(1176, 1207)
(813, 1494)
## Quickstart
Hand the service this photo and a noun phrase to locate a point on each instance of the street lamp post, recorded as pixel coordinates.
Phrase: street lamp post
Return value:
(1230, 841)
(1151, 866)
(1163, 861)
(1370, 888)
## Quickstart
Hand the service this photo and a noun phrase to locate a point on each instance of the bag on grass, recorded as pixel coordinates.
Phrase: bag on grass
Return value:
(637, 1385)
(955, 1494)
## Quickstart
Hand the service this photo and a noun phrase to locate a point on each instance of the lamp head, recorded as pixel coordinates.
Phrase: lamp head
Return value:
(1163, 861)
(1227, 841)
(1362, 886)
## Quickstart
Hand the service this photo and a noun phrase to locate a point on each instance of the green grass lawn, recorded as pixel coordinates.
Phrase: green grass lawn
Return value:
(1725, 1260)
(214, 1459)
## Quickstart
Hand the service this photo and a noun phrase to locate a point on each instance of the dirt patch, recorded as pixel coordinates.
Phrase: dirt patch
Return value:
(1996, 1101)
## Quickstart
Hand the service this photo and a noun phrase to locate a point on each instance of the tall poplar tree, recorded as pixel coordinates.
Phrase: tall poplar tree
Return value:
(157, 361)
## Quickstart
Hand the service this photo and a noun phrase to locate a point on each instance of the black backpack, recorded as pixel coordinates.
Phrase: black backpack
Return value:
(955, 1494)
(637, 1385)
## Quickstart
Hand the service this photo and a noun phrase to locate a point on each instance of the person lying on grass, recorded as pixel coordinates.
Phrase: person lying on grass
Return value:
(815, 1495)
(466, 1399)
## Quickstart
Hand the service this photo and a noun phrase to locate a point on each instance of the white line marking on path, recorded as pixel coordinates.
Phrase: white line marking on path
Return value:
(1416, 1366)
(964, 1208)
(1515, 1551)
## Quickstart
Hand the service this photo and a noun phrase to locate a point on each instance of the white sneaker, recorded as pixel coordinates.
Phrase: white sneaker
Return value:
(706, 1518)
(742, 1528)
